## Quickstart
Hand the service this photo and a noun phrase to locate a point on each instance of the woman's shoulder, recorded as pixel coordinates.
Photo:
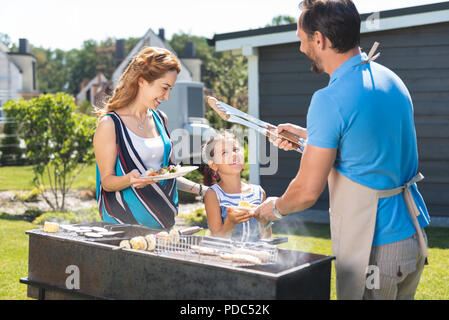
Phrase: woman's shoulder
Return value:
(105, 128)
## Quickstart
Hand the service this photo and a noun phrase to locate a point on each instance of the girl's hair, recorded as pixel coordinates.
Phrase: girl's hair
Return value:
(151, 63)
(208, 152)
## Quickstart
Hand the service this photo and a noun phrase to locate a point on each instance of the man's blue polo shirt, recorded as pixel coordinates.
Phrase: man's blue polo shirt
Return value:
(366, 113)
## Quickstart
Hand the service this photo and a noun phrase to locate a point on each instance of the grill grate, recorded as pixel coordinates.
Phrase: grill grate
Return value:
(216, 250)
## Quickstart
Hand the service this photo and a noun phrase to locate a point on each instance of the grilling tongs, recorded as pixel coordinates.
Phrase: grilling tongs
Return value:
(231, 114)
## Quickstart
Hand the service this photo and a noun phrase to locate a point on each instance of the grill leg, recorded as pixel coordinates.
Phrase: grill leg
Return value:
(41, 294)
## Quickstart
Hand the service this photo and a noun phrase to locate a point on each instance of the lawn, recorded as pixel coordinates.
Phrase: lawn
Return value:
(434, 284)
(21, 178)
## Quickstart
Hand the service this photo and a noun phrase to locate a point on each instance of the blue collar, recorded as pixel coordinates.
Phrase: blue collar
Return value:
(347, 65)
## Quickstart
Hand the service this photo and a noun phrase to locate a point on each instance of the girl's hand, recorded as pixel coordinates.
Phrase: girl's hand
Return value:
(237, 216)
(136, 181)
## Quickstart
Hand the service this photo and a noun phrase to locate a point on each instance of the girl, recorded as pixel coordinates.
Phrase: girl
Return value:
(225, 157)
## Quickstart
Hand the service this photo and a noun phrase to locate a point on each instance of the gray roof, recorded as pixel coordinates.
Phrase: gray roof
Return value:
(292, 26)
(149, 39)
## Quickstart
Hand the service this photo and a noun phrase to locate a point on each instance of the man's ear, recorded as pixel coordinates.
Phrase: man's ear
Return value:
(320, 40)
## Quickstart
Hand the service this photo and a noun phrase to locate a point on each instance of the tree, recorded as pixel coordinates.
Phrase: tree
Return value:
(227, 77)
(224, 75)
(58, 141)
(86, 62)
(281, 20)
(51, 69)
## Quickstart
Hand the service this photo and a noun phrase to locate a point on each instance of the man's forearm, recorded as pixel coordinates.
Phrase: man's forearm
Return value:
(296, 198)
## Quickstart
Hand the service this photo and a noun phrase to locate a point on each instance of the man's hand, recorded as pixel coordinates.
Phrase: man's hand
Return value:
(288, 127)
(264, 211)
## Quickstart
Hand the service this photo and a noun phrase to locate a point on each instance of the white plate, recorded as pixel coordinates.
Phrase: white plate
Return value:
(182, 171)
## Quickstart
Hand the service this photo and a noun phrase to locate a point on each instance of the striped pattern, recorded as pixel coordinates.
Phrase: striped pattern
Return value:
(154, 206)
(247, 231)
(400, 266)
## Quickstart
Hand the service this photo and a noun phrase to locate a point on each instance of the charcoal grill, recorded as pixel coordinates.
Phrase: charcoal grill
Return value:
(107, 271)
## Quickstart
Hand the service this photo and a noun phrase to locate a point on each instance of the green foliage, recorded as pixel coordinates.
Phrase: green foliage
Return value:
(51, 69)
(227, 77)
(58, 141)
(281, 20)
(195, 218)
(79, 216)
(28, 196)
(86, 108)
(93, 57)
(202, 49)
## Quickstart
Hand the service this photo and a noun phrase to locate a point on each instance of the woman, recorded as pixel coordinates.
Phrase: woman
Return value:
(131, 138)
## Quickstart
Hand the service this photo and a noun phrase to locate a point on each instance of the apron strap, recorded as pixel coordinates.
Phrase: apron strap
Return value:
(371, 56)
(392, 192)
(411, 207)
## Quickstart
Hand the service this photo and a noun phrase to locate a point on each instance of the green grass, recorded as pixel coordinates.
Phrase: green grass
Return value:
(21, 178)
(13, 257)
(434, 283)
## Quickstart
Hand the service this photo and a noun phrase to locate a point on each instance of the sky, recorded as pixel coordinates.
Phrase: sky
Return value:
(65, 24)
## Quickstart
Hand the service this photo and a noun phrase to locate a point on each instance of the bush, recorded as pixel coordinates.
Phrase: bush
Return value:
(28, 196)
(58, 141)
(195, 218)
(31, 214)
(79, 216)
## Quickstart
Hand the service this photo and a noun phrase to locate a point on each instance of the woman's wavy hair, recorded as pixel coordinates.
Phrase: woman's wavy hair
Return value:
(151, 63)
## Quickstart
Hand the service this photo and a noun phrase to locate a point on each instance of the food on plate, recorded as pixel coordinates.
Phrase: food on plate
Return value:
(151, 241)
(245, 204)
(245, 258)
(138, 243)
(205, 250)
(170, 169)
(262, 255)
(51, 227)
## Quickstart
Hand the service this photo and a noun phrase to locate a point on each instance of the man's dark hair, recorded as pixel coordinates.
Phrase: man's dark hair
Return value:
(338, 20)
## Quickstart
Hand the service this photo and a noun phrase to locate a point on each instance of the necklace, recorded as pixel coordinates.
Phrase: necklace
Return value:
(141, 124)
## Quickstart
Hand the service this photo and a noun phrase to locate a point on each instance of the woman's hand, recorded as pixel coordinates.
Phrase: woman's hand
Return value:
(237, 216)
(136, 181)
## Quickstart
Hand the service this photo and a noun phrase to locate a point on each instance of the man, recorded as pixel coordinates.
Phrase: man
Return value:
(361, 140)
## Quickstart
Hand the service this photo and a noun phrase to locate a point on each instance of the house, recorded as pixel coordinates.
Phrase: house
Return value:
(414, 43)
(93, 89)
(17, 74)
